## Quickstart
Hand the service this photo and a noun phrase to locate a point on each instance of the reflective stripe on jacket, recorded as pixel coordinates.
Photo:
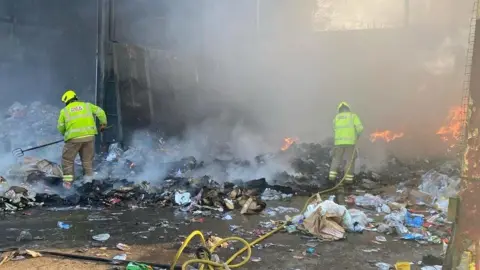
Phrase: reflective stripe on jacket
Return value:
(77, 120)
(347, 127)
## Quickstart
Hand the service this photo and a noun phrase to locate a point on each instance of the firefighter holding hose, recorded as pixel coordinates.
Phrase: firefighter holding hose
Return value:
(76, 123)
(347, 128)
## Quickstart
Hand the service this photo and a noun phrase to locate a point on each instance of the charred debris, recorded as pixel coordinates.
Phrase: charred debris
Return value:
(118, 185)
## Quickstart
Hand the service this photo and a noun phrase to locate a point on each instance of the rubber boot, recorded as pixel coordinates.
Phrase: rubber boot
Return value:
(340, 195)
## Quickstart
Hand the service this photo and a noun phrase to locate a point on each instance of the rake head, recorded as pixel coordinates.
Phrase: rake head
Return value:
(18, 152)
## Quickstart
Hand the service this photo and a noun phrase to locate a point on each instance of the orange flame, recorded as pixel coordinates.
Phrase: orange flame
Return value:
(287, 142)
(453, 128)
(386, 135)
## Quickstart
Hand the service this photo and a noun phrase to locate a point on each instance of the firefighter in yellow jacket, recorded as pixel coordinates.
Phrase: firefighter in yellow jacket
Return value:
(347, 128)
(76, 123)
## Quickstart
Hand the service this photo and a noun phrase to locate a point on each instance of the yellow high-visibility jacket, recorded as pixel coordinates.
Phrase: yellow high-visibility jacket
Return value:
(77, 120)
(347, 127)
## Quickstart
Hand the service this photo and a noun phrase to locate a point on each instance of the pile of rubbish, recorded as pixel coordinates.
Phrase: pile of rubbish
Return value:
(328, 220)
(118, 170)
(185, 181)
(409, 213)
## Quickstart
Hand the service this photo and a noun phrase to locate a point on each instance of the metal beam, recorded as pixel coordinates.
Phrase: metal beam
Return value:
(466, 229)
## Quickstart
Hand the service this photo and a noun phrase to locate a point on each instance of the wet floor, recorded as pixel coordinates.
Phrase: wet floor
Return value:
(167, 225)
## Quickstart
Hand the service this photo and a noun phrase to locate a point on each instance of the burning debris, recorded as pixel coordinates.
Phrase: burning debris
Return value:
(386, 135)
(453, 129)
(450, 132)
(118, 184)
(288, 142)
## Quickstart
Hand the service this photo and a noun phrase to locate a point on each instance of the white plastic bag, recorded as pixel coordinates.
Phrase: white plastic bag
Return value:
(182, 198)
(311, 208)
(330, 208)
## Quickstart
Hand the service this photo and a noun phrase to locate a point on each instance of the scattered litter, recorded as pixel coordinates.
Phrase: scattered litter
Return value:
(123, 247)
(383, 266)
(229, 204)
(227, 217)
(431, 267)
(63, 225)
(24, 236)
(214, 240)
(255, 259)
(274, 195)
(120, 257)
(291, 228)
(322, 220)
(182, 198)
(32, 253)
(101, 237)
(82, 250)
(380, 238)
(403, 266)
(413, 220)
(369, 201)
(413, 236)
(138, 266)
(371, 250)
(439, 185)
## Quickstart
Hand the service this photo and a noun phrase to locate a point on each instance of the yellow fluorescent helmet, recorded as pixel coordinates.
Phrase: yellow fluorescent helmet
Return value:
(69, 94)
(343, 103)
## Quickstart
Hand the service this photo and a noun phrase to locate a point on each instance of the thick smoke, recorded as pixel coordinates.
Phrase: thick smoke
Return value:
(249, 73)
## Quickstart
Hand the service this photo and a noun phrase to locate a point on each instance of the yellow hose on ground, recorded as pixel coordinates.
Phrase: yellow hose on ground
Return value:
(248, 246)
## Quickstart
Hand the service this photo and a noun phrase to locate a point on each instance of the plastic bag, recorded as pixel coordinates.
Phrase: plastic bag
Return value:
(442, 205)
(330, 208)
(347, 222)
(383, 266)
(415, 221)
(439, 185)
(385, 209)
(383, 228)
(182, 198)
(311, 208)
(359, 216)
(369, 201)
(396, 220)
(413, 236)
(395, 217)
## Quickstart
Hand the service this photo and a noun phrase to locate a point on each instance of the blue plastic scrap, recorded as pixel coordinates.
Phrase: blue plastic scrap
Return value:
(63, 225)
(415, 221)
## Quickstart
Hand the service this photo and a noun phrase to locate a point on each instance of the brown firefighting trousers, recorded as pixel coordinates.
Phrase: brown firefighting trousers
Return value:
(341, 153)
(83, 146)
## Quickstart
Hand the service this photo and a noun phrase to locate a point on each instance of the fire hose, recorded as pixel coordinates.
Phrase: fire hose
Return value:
(206, 259)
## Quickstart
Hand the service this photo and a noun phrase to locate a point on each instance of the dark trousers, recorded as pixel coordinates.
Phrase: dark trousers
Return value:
(341, 153)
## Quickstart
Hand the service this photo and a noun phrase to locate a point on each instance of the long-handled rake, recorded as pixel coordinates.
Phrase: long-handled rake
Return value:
(19, 152)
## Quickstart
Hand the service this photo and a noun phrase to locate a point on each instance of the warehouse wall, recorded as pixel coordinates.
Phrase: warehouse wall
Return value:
(46, 47)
